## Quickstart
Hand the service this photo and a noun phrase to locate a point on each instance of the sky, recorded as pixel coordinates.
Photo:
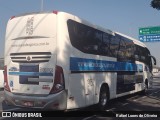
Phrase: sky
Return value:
(124, 16)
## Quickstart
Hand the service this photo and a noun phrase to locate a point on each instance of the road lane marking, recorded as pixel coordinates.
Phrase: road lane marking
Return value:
(155, 92)
(111, 109)
(125, 104)
(144, 97)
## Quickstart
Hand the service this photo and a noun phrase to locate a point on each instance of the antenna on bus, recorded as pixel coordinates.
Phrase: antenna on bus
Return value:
(41, 5)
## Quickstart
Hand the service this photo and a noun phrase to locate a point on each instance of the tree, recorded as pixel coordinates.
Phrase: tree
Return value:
(155, 4)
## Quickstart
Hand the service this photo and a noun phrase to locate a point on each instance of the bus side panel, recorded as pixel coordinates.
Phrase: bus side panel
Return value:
(113, 80)
(89, 79)
(64, 49)
(83, 88)
(73, 82)
(76, 91)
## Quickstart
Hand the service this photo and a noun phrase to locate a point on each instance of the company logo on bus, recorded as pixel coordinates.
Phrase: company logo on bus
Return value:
(28, 58)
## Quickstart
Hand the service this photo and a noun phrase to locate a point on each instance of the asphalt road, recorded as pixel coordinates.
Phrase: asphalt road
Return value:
(132, 103)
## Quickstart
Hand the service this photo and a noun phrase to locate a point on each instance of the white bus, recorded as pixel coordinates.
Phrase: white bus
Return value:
(58, 61)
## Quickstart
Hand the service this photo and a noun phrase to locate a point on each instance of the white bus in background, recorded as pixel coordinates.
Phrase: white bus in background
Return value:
(58, 61)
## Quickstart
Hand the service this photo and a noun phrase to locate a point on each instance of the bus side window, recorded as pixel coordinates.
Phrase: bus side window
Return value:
(114, 45)
(88, 40)
(122, 51)
(105, 47)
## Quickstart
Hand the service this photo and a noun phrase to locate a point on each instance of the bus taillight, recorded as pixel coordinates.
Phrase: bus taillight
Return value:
(6, 86)
(59, 83)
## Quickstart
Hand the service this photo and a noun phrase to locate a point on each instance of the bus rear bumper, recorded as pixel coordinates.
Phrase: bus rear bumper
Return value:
(56, 101)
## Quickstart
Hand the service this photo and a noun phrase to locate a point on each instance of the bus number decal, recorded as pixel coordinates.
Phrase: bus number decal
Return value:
(90, 82)
(29, 26)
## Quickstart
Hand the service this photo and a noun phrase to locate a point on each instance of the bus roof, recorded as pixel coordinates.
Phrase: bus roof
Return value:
(88, 24)
(76, 17)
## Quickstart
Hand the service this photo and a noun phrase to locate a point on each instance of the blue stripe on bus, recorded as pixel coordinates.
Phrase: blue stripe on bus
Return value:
(83, 64)
(30, 74)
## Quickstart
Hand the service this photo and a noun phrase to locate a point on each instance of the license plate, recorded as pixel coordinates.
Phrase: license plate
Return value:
(28, 103)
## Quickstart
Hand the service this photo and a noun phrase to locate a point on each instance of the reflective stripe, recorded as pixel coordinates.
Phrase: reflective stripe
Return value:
(30, 74)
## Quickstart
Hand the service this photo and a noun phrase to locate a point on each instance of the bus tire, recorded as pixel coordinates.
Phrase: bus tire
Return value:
(103, 98)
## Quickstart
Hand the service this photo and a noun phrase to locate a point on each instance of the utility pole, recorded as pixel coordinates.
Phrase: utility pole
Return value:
(41, 5)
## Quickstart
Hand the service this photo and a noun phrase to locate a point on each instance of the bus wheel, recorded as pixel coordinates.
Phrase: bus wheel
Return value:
(103, 98)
